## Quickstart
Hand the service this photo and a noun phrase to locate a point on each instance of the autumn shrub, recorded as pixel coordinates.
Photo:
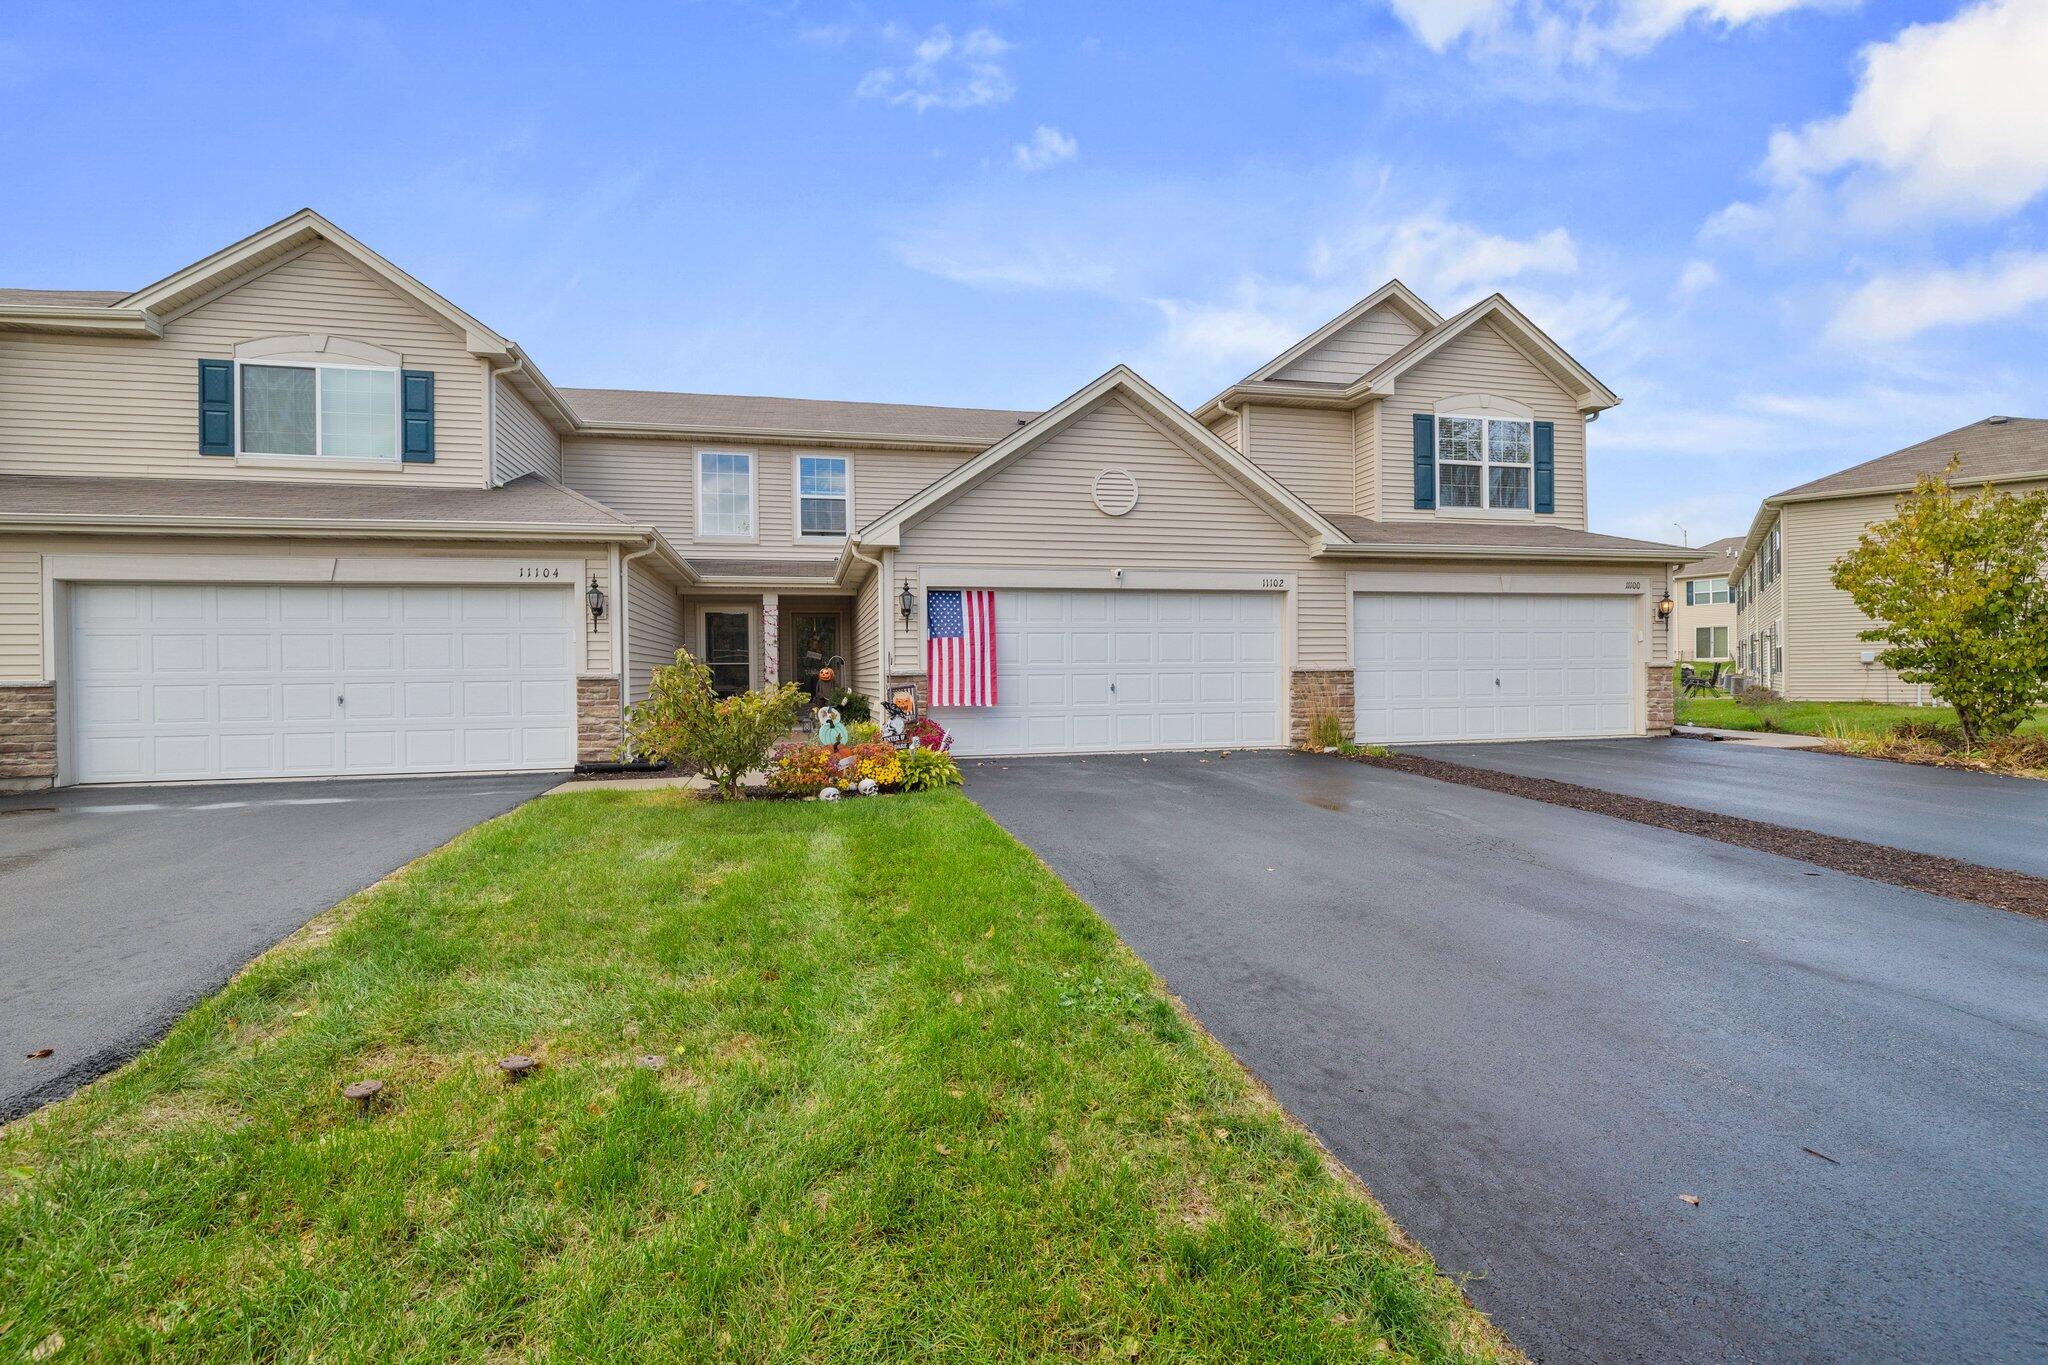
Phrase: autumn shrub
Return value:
(799, 769)
(927, 733)
(863, 732)
(684, 722)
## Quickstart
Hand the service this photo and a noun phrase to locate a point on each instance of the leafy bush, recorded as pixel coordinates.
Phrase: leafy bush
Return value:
(853, 706)
(685, 723)
(1957, 589)
(863, 732)
(929, 769)
(799, 769)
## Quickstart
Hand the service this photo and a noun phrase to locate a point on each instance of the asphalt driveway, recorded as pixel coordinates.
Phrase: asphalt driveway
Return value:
(120, 907)
(1532, 1030)
(1978, 817)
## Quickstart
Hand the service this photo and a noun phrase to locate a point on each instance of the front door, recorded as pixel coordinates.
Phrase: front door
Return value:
(726, 650)
(814, 639)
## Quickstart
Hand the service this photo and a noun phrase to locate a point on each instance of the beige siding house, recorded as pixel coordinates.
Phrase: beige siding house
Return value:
(1703, 613)
(288, 512)
(1796, 632)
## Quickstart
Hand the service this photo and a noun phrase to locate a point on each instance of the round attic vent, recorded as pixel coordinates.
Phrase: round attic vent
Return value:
(1116, 492)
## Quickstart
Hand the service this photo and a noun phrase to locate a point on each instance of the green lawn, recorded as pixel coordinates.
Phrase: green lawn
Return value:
(1819, 717)
(918, 1103)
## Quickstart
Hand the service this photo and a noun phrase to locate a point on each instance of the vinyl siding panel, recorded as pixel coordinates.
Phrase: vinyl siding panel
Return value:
(526, 444)
(1365, 456)
(1481, 360)
(21, 588)
(117, 405)
(654, 627)
(1356, 349)
(867, 640)
(1229, 427)
(1310, 450)
(1037, 512)
(655, 482)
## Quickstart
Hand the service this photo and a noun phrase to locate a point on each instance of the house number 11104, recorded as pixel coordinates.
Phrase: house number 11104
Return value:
(530, 571)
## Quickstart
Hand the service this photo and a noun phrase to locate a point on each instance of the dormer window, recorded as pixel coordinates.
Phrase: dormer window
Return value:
(1484, 463)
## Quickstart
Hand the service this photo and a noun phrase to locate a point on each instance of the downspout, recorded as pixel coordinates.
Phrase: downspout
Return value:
(619, 625)
(881, 612)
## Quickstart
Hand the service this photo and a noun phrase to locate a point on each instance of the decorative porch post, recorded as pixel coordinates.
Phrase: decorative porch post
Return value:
(771, 639)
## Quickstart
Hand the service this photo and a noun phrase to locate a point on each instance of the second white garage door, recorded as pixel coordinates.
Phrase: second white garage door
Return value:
(1456, 666)
(1098, 672)
(179, 682)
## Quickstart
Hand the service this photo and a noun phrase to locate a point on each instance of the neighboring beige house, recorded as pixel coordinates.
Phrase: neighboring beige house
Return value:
(288, 512)
(1798, 634)
(1703, 612)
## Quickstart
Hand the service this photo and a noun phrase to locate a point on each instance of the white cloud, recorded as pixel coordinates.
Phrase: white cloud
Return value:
(1577, 32)
(1949, 121)
(1901, 305)
(943, 72)
(1048, 147)
(1697, 275)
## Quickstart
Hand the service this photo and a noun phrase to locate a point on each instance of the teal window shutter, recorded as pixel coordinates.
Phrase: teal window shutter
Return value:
(1425, 460)
(216, 407)
(1546, 466)
(416, 388)
(1688, 592)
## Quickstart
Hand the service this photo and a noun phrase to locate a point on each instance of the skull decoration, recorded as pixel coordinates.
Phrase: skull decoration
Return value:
(868, 786)
(828, 794)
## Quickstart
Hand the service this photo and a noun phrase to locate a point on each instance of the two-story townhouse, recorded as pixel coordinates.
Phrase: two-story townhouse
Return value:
(289, 512)
(1799, 634)
(1703, 617)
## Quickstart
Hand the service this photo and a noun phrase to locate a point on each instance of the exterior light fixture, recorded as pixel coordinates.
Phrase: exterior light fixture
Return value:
(1664, 607)
(906, 602)
(593, 598)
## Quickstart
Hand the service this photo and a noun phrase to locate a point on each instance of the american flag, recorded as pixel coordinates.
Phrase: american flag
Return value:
(960, 646)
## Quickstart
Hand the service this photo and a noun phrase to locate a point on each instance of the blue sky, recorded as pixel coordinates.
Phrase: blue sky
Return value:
(1791, 234)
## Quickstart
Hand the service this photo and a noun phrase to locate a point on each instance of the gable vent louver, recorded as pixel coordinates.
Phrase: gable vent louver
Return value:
(1116, 492)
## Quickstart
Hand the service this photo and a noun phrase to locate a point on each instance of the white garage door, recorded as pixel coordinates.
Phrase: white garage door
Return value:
(1095, 672)
(174, 682)
(1443, 666)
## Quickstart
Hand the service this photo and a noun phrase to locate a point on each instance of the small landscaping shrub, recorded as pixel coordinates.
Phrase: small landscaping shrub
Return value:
(853, 706)
(799, 769)
(881, 762)
(863, 732)
(929, 769)
(685, 723)
(927, 733)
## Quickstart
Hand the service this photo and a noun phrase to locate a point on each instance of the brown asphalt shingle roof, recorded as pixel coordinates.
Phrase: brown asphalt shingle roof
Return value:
(1713, 557)
(1491, 535)
(725, 411)
(528, 501)
(1990, 449)
(63, 298)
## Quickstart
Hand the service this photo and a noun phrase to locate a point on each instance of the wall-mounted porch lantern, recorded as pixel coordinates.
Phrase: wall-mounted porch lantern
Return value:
(593, 598)
(906, 602)
(1665, 607)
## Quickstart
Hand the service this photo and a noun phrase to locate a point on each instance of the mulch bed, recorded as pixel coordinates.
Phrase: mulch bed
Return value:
(1900, 867)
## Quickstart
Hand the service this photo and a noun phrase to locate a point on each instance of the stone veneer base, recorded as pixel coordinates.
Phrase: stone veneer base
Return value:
(599, 731)
(28, 736)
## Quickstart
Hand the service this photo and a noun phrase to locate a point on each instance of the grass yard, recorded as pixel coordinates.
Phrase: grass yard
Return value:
(918, 1102)
(1820, 717)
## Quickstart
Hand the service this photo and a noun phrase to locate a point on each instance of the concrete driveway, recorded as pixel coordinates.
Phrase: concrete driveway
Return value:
(1532, 1030)
(120, 907)
(1978, 817)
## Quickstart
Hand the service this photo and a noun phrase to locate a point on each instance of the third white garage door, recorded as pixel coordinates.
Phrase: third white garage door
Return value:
(1456, 666)
(1097, 672)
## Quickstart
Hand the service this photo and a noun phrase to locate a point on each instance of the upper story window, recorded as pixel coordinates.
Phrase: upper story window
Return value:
(1704, 591)
(331, 412)
(1485, 462)
(824, 495)
(725, 494)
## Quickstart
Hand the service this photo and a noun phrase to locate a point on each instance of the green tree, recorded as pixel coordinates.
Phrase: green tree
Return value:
(684, 722)
(1955, 586)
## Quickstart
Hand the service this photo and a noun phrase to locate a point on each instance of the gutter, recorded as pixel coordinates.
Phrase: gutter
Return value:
(1660, 555)
(229, 526)
(30, 317)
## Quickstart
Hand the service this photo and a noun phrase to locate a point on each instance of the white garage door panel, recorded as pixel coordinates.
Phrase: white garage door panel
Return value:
(1445, 666)
(1092, 672)
(181, 681)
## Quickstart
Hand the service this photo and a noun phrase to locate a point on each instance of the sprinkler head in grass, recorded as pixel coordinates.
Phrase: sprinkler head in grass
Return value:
(516, 1066)
(364, 1093)
(650, 1061)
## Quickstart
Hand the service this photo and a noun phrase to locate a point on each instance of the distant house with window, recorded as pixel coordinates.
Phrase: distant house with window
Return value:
(1796, 632)
(1703, 617)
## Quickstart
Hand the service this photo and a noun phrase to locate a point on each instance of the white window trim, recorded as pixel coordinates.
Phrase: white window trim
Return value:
(753, 535)
(245, 456)
(796, 497)
(1485, 463)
